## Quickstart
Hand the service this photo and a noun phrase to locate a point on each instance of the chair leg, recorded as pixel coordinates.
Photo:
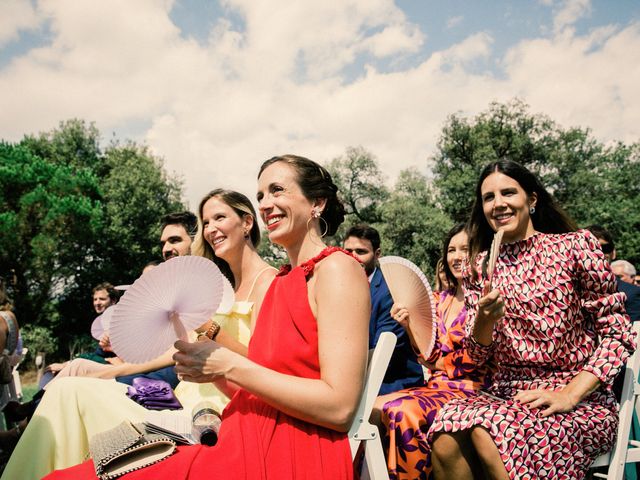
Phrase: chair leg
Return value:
(375, 464)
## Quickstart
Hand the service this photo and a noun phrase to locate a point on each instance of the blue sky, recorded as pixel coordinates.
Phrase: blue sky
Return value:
(216, 87)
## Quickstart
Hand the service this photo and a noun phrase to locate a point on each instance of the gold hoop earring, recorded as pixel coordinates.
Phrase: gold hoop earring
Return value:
(326, 225)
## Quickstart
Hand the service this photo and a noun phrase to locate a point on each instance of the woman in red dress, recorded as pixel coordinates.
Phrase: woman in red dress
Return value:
(299, 388)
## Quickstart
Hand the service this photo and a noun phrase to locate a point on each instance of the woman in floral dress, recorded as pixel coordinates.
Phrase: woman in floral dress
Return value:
(408, 414)
(552, 321)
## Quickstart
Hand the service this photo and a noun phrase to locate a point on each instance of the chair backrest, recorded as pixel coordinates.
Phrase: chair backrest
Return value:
(629, 401)
(13, 390)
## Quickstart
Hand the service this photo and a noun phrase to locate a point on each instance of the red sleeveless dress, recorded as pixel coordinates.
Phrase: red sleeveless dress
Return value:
(257, 441)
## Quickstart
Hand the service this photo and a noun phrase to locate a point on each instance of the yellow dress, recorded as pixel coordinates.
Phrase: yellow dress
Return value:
(76, 408)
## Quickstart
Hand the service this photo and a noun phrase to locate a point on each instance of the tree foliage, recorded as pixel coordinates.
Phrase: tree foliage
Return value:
(407, 217)
(360, 183)
(73, 215)
(412, 225)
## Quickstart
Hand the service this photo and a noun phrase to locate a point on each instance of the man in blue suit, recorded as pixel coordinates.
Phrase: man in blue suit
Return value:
(632, 304)
(626, 275)
(404, 371)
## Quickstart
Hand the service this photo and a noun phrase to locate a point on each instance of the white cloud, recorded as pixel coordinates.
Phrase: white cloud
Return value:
(454, 21)
(276, 84)
(16, 15)
(588, 81)
(569, 12)
(394, 39)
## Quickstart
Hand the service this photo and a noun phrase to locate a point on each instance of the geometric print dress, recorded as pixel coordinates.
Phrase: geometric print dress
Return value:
(563, 315)
(408, 414)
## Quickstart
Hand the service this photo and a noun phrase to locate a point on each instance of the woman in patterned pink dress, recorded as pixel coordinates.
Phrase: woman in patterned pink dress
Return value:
(554, 324)
(408, 414)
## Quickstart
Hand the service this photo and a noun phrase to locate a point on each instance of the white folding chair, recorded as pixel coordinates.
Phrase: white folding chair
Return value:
(362, 431)
(13, 390)
(16, 387)
(624, 450)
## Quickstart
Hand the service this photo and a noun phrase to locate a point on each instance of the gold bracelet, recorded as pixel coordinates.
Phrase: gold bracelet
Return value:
(213, 330)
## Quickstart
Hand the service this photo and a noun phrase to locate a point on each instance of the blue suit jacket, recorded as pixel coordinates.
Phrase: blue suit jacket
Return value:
(632, 305)
(404, 370)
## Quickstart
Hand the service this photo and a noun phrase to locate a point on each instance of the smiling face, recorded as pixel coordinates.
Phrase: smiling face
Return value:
(283, 207)
(224, 230)
(457, 251)
(506, 206)
(101, 300)
(174, 241)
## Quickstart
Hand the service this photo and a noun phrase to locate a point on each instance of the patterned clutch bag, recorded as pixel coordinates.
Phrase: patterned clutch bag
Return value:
(126, 448)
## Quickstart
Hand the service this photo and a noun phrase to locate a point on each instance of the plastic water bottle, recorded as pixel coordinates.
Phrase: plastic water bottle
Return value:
(206, 423)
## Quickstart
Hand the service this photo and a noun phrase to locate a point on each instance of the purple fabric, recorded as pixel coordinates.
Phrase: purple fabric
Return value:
(153, 394)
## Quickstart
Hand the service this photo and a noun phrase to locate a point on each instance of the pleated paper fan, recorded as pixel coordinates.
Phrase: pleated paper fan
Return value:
(228, 297)
(163, 305)
(122, 287)
(410, 288)
(102, 322)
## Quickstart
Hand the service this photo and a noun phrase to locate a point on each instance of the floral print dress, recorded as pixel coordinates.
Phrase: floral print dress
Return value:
(563, 315)
(410, 413)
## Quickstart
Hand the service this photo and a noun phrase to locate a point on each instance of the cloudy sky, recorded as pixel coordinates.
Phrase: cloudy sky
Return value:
(215, 87)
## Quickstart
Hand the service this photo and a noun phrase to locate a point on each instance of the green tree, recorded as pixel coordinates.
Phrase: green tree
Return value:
(412, 225)
(49, 213)
(360, 183)
(73, 216)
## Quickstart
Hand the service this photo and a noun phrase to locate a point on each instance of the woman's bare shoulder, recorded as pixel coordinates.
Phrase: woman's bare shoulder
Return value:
(340, 263)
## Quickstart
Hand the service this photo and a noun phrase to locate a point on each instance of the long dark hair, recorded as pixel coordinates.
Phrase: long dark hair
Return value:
(548, 216)
(457, 228)
(315, 182)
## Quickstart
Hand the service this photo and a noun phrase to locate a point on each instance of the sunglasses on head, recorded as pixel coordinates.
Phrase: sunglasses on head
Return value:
(607, 247)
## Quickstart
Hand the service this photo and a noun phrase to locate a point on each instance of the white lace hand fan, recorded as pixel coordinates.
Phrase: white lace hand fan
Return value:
(410, 288)
(101, 323)
(164, 304)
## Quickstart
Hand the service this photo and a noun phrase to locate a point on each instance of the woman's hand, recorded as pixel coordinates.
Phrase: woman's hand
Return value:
(401, 315)
(55, 367)
(555, 401)
(437, 366)
(201, 362)
(114, 360)
(105, 342)
(490, 310)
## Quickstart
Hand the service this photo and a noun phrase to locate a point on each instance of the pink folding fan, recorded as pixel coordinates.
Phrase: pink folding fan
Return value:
(164, 304)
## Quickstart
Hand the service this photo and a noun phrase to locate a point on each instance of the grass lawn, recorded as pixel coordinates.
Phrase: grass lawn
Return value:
(29, 384)
(28, 391)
